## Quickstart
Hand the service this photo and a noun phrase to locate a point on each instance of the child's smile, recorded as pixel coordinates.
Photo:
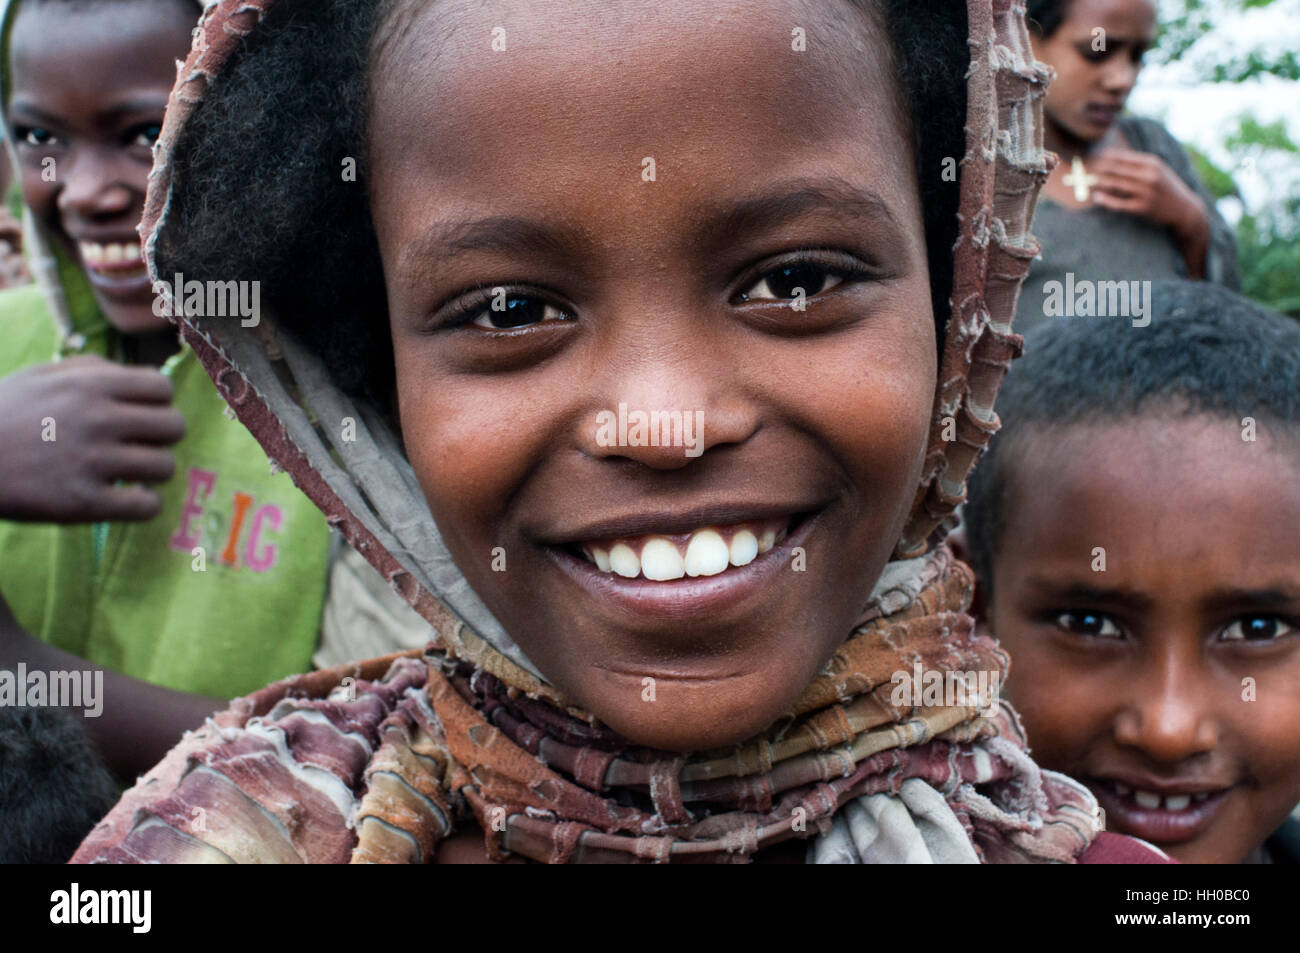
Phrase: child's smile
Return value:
(646, 192)
(85, 136)
(1166, 681)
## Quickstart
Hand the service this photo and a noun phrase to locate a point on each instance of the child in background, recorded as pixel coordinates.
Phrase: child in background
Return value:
(180, 564)
(1135, 528)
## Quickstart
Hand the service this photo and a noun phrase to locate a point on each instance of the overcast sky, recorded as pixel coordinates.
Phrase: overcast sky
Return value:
(1203, 114)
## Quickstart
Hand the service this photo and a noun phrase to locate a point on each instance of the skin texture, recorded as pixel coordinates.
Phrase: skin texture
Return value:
(1135, 183)
(822, 411)
(1141, 679)
(98, 122)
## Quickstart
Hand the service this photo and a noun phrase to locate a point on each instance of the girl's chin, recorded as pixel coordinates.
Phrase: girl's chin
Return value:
(139, 322)
(672, 713)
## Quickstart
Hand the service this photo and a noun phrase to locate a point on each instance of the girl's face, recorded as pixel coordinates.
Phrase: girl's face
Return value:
(1097, 53)
(90, 84)
(639, 189)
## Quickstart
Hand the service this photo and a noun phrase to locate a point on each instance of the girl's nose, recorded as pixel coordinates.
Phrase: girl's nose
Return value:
(1121, 75)
(94, 186)
(668, 408)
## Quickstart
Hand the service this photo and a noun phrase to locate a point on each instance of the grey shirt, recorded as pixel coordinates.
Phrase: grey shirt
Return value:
(1097, 244)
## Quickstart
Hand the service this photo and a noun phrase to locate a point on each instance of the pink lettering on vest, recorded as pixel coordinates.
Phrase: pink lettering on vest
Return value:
(261, 562)
(185, 539)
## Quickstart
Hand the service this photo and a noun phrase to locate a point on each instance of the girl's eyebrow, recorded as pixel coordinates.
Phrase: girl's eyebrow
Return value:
(793, 199)
(720, 223)
(124, 108)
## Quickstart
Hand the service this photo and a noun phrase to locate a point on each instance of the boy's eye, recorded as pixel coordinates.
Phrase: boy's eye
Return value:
(1088, 623)
(784, 282)
(146, 135)
(1257, 628)
(508, 312)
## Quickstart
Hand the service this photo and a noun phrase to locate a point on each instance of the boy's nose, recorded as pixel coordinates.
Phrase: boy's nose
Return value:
(1169, 720)
(95, 186)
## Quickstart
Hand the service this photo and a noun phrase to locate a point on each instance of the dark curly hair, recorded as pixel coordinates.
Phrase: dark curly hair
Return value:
(1207, 351)
(260, 193)
(1046, 16)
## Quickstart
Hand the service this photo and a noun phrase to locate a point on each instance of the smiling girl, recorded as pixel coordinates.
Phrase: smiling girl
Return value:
(481, 232)
(141, 531)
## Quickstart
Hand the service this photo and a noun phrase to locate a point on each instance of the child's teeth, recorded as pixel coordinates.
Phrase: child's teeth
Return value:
(1147, 799)
(1177, 802)
(113, 253)
(706, 555)
(1121, 790)
(661, 561)
(1200, 796)
(744, 547)
(705, 552)
(624, 561)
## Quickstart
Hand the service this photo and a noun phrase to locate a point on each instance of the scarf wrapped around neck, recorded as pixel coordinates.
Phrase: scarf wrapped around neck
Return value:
(381, 760)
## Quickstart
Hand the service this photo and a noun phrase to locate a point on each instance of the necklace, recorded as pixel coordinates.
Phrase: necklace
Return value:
(1080, 180)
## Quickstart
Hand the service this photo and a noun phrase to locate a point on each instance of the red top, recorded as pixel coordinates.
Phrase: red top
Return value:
(1111, 848)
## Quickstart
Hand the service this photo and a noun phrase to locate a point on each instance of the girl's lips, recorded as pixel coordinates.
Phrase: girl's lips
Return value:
(1160, 825)
(116, 270)
(1101, 115)
(688, 597)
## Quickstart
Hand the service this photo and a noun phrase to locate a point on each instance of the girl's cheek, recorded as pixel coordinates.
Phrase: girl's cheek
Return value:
(38, 190)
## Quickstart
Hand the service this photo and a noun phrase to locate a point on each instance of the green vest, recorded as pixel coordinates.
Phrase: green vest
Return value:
(219, 595)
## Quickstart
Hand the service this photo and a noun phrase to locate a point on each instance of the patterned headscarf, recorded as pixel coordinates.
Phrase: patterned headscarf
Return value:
(380, 760)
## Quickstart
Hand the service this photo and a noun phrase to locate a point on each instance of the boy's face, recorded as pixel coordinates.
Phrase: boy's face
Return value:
(648, 183)
(90, 84)
(1172, 673)
(1097, 54)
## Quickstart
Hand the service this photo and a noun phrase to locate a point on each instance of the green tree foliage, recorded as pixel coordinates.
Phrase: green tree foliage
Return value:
(1268, 238)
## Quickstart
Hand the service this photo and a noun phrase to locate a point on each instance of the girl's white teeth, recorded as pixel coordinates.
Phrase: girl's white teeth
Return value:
(707, 553)
(624, 561)
(744, 547)
(661, 561)
(1177, 802)
(113, 253)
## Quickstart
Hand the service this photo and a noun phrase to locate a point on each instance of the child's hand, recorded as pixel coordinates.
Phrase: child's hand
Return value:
(69, 431)
(1142, 184)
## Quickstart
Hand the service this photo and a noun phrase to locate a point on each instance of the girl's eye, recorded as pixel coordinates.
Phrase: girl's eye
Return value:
(1257, 628)
(785, 282)
(509, 312)
(1089, 623)
(146, 135)
(35, 136)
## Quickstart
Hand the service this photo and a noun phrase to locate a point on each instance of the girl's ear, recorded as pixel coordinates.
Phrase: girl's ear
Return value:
(957, 543)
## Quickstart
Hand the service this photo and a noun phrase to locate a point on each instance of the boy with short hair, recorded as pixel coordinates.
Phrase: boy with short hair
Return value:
(1136, 531)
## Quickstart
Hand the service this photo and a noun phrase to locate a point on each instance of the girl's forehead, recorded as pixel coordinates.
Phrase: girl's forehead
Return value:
(807, 63)
(113, 44)
(570, 93)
